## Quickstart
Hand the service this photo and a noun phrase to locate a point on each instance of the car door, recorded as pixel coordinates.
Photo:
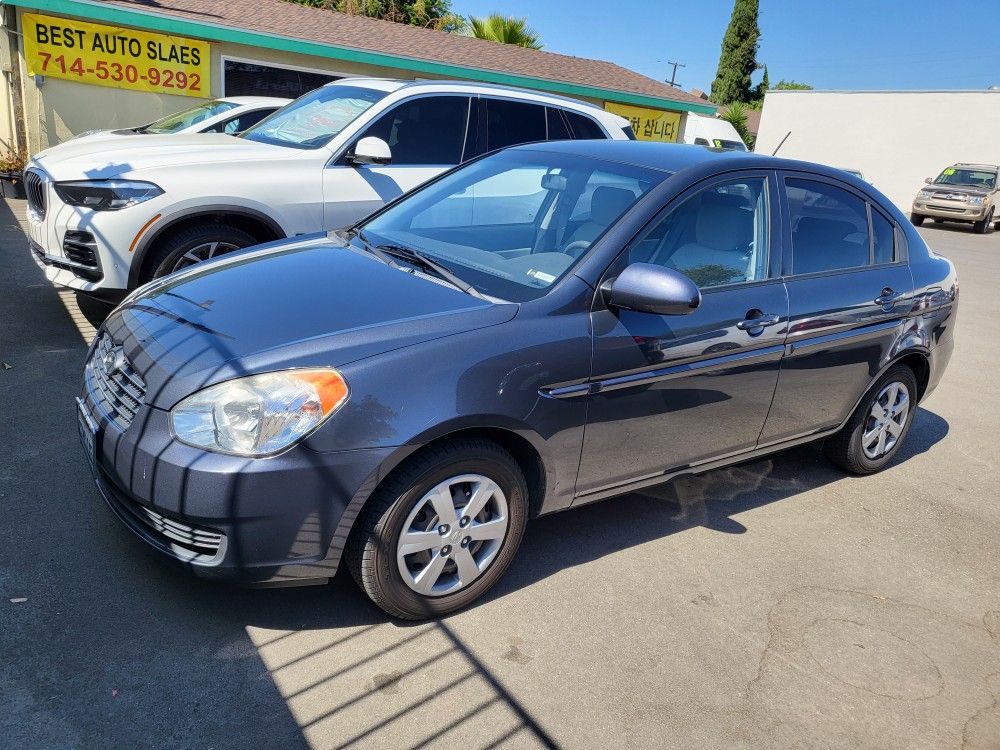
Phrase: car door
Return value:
(673, 391)
(426, 135)
(849, 290)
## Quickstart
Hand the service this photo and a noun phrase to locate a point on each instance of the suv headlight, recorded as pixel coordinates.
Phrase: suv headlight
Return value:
(106, 195)
(926, 194)
(259, 415)
(975, 200)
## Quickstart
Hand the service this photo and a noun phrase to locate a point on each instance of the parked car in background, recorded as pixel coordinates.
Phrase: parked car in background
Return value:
(141, 208)
(712, 132)
(962, 192)
(231, 115)
(403, 395)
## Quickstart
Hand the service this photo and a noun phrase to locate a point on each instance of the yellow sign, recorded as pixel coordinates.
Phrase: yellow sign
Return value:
(114, 56)
(649, 124)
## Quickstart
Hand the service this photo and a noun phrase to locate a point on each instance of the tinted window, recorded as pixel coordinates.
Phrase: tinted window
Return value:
(240, 123)
(583, 127)
(188, 117)
(885, 238)
(428, 130)
(558, 128)
(717, 236)
(829, 227)
(250, 79)
(509, 123)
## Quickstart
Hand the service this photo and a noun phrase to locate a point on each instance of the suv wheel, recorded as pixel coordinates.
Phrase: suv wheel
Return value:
(195, 244)
(982, 227)
(441, 531)
(878, 427)
(916, 219)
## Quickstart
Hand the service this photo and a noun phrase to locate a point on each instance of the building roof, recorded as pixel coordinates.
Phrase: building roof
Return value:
(314, 31)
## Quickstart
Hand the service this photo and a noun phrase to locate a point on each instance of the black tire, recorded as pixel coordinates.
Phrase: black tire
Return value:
(916, 219)
(371, 549)
(982, 227)
(845, 450)
(172, 248)
(939, 221)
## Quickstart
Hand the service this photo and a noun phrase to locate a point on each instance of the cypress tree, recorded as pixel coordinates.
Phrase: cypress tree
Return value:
(738, 60)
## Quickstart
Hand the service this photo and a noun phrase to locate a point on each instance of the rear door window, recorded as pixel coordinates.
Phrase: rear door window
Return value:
(583, 127)
(883, 237)
(509, 123)
(829, 227)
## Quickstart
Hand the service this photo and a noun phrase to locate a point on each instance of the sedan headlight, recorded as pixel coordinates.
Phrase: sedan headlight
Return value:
(259, 415)
(926, 194)
(106, 195)
(975, 200)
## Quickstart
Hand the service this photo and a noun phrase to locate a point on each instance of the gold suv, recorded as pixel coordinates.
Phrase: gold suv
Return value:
(962, 192)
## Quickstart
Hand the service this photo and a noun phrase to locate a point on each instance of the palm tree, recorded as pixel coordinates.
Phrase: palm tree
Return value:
(504, 29)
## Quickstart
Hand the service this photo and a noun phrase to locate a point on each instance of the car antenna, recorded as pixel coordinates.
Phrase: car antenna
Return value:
(782, 143)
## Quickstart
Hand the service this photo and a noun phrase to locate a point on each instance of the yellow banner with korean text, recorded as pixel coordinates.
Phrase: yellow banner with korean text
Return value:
(113, 56)
(649, 124)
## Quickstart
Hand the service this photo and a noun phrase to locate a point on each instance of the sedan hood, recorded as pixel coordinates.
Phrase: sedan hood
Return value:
(308, 303)
(114, 156)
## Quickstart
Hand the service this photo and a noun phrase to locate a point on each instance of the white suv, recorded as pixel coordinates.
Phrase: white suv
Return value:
(108, 217)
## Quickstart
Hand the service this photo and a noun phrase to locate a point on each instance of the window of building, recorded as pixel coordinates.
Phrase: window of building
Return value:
(255, 79)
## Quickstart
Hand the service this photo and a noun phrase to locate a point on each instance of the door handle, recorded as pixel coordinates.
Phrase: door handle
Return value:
(760, 322)
(887, 297)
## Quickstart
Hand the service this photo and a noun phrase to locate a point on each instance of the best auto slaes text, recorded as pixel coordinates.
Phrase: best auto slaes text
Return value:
(115, 44)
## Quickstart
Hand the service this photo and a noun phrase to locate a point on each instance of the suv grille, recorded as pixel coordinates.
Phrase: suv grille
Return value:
(113, 383)
(34, 188)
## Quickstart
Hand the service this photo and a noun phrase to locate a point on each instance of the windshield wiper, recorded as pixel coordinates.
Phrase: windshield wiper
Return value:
(369, 247)
(429, 264)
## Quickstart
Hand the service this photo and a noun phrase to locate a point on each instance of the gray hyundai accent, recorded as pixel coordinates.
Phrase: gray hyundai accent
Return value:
(540, 328)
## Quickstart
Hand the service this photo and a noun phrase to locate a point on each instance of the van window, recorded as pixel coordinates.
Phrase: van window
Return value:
(829, 227)
(509, 123)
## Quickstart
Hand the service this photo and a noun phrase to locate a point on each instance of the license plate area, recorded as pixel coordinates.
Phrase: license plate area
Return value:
(88, 432)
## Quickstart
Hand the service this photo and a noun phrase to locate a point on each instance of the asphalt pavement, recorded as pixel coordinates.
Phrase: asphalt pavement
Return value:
(775, 604)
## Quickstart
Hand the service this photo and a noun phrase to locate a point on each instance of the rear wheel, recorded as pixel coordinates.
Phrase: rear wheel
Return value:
(195, 244)
(982, 227)
(916, 219)
(878, 427)
(441, 531)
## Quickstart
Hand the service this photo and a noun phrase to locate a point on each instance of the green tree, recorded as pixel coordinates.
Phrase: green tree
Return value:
(503, 29)
(784, 85)
(431, 13)
(736, 115)
(738, 59)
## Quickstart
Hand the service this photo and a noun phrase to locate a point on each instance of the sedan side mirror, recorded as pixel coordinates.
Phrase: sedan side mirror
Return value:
(370, 150)
(645, 287)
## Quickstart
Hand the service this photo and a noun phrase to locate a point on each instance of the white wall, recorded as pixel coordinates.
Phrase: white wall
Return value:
(895, 138)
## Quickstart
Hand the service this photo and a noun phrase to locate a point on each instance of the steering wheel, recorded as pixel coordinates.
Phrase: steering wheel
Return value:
(577, 248)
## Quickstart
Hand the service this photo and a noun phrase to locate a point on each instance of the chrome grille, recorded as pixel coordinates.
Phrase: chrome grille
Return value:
(113, 383)
(34, 188)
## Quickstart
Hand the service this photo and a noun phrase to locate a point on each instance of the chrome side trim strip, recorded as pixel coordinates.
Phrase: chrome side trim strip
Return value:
(859, 334)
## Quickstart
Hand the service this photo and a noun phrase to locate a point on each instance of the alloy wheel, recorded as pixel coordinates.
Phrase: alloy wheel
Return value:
(452, 534)
(886, 419)
(204, 251)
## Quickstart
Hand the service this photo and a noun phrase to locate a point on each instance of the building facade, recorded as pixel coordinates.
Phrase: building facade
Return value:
(78, 65)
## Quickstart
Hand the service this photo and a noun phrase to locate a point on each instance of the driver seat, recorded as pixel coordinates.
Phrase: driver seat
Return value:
(606, 204)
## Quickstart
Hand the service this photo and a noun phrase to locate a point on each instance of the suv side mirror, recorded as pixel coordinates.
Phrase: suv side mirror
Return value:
(370, 150)
(645, 287)
(928, 180)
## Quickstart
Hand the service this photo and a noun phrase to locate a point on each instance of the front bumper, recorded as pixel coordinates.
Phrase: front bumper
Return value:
(950, 210)
(272, 520)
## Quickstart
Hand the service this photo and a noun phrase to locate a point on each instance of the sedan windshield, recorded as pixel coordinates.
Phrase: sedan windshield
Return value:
(514, 223)
(967, 178)
(311, 121)
(188, 117)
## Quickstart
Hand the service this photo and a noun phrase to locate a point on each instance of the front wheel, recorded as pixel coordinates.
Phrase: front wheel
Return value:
(982, 227)
(194, 245)
(441, 531)
(916, 219)
(878, 427)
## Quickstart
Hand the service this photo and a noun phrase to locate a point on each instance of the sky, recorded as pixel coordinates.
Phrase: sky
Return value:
(838, 44)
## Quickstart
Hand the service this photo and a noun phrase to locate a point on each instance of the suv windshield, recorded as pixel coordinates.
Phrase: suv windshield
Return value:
(312, 120)
(967, 178)
(180, 120)
(514, 223)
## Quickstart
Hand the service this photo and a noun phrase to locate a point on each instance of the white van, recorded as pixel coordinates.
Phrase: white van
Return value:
(711, 132)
